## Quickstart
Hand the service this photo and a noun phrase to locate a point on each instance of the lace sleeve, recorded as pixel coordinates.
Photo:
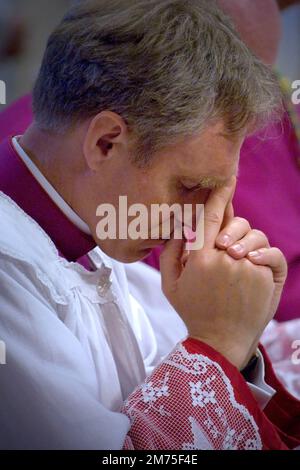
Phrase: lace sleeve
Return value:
(190, 402)
(282, 342)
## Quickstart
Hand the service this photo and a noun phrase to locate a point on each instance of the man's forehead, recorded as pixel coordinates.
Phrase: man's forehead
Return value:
(211, 162)
(210, 173)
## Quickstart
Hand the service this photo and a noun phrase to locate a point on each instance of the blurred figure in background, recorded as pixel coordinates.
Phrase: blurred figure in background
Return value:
(24, 28)
(288, 60)
(11, 28)
(11, 40)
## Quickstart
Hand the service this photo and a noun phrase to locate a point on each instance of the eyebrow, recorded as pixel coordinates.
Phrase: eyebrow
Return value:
(208, 182)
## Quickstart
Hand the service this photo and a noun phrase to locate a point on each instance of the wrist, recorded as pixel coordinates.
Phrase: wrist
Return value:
(237, 356)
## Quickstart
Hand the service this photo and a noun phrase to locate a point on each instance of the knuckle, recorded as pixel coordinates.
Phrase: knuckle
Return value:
(259, 234)
(278, 252)
(204, 259)
(242, 221)
(223, 263)
(281, 257)
(208, 260)
(227, 260)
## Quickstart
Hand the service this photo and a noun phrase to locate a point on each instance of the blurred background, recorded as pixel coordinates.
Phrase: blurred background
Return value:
(289, 53)
(26, 24)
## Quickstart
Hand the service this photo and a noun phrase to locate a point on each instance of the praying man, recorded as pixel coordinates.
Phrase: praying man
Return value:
(151, 100)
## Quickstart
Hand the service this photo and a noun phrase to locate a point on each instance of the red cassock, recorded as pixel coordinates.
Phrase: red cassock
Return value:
(199, 389)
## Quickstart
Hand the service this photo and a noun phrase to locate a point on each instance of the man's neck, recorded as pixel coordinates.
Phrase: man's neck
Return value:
(21, 181)
(53, 154)
(46, 153)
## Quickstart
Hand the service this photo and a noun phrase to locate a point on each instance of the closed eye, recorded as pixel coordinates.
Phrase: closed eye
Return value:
(191, 189)
(205, 183)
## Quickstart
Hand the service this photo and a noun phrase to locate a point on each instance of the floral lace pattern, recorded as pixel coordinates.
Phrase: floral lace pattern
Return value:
(282, 342)
(189, 403)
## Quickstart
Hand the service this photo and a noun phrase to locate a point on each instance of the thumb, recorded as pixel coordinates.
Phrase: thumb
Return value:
(229, 215)
(171, 263)
(217, 203)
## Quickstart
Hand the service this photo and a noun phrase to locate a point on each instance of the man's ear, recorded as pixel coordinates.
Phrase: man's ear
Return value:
(106, 133)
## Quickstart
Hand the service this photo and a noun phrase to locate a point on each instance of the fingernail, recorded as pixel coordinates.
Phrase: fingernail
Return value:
(254, 254)
(225, 240)
(237, 248)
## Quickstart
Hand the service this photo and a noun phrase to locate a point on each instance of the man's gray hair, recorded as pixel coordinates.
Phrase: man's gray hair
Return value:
(167, 67)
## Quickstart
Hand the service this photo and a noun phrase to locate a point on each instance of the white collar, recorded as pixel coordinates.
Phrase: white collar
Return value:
(52, 193)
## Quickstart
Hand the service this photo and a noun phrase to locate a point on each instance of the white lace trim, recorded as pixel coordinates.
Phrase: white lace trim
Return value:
(215, 419)
(181, 360)
(200, 362)
(59, 293)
